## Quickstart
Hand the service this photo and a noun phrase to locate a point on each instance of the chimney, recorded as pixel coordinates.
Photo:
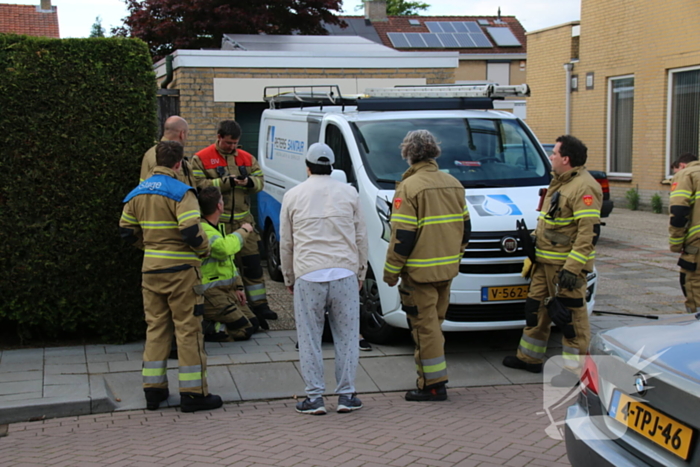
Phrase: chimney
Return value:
(46, 5)
(375, 10)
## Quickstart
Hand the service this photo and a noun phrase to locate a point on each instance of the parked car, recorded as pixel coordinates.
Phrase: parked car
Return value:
(639, 403)
(601, 177)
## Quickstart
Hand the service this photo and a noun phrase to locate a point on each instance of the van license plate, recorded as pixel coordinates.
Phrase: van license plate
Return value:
(499, 294)
(661, 429)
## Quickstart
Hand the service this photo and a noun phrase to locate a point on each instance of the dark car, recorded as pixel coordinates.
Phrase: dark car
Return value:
(639, 403)
(601, 177)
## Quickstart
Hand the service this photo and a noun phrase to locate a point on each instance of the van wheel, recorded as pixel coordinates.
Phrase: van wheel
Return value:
(372, 324)
(272, 246)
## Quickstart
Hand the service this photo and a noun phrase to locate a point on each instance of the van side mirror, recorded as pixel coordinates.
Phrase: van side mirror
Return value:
(339, 175)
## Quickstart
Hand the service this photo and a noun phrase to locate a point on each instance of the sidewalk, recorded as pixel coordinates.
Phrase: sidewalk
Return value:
(636, 275)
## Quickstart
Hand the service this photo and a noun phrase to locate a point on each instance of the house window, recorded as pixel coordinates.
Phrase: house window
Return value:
(684, 113)
(498, 73)
(620, 124)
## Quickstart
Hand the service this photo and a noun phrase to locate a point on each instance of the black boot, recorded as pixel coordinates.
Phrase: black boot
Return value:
(438, 393)
(512, 361)
(192, 402)
(264, 312)
(154, 396)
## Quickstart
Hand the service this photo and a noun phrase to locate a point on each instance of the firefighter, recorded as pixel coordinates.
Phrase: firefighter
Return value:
(237, 174)
(684, 228)
(428, 205)
(174, 129)
(161, 217)
(567, 231)
(226, 315)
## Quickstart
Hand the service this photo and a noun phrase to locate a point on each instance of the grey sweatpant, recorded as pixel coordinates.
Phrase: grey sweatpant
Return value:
(341, 299)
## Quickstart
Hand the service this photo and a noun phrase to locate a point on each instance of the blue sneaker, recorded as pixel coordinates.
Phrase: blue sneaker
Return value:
(312, 408)
(348, 403)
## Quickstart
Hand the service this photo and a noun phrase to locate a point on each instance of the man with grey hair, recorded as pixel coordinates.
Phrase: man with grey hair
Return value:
(175, 128)
(323, 252)
(428, 205)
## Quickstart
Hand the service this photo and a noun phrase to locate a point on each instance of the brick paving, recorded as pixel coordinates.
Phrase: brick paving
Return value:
(484, 426)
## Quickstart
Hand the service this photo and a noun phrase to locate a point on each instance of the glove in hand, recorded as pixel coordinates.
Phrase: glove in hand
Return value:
(567, 280)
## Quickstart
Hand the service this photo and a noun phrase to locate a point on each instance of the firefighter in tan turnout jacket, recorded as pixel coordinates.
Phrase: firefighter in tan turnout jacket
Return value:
(565, 238)
(237, 174)
(161, 217)
(174, 129)
(684, 229)
(430, 229)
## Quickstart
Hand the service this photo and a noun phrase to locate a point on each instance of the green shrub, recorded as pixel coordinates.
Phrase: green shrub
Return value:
(632, 196)
(656, 205)
(77, 114)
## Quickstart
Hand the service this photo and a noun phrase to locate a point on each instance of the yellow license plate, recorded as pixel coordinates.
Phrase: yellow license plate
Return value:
(661, 429)
(498, 294)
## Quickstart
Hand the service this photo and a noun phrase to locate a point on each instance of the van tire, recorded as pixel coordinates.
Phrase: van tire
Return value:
(372, 324)
(272, 247)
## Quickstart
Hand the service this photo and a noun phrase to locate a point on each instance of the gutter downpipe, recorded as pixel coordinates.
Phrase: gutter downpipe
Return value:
(568, 67)
(168, 72)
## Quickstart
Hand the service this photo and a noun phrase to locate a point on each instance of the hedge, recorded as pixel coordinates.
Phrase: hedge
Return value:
(77, 116)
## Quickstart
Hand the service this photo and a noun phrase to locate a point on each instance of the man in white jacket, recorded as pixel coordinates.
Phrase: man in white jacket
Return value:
(323, 251)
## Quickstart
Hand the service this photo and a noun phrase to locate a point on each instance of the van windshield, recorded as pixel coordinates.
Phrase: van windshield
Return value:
(479, 152)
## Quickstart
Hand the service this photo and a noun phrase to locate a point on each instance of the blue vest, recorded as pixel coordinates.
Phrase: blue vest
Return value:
(162, 185)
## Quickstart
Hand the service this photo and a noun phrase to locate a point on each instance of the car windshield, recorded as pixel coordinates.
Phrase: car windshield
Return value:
(479, 152)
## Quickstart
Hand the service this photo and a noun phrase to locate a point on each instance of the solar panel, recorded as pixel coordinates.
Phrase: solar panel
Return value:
(432, 40)
(448, 40)
(447, 27)
(481, 40)
(434, 26)
(472, 26)
(415, 39)
(459, 27)
(464, 40)
(398, 40)
(504, 37)
(484, 22)
(414, 22)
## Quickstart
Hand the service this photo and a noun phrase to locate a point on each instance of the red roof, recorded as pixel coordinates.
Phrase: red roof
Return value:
(401, 24)
(29, 20)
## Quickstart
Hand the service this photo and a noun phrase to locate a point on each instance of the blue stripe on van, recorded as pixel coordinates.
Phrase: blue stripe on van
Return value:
(269, 208)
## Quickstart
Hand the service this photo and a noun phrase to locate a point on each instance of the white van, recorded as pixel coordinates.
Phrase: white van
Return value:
(493, 153)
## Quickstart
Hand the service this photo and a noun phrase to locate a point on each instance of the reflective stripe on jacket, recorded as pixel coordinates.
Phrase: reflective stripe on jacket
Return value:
(165, 223)
(219, 270)
(210, 167)
(568, 233)
(429, 221)
(684, 210)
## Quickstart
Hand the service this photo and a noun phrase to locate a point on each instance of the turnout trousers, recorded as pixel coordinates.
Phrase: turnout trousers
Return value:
(690, 285)
(426, 305)
(222, 307)
(575, 336)
(170, 303)
(248, 263)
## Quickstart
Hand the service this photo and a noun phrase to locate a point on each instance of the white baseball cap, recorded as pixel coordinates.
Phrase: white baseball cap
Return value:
(321, 154)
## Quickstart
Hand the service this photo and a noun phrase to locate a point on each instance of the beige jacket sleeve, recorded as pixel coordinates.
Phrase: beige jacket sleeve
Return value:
(287, 242)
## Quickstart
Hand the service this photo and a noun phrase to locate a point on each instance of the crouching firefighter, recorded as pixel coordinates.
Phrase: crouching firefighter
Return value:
(161, 217)
(684, 228)
(237, 174)
(430, 229)
(226, 315)
(567, 231)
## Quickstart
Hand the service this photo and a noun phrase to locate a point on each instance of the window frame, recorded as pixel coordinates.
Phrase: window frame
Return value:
(669, 114)
(609, 128)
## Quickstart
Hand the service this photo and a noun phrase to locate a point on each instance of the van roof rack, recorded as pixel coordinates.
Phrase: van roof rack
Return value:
(430, 97)
(301, 95)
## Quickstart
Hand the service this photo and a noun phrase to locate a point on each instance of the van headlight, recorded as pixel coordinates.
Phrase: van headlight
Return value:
(384, 213)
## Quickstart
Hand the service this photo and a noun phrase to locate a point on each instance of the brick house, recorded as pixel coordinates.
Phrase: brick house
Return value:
(633, 87)
(215, 85)
(30, 20)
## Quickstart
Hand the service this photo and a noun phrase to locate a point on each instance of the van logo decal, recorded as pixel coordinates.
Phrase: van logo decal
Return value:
(494, 205)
